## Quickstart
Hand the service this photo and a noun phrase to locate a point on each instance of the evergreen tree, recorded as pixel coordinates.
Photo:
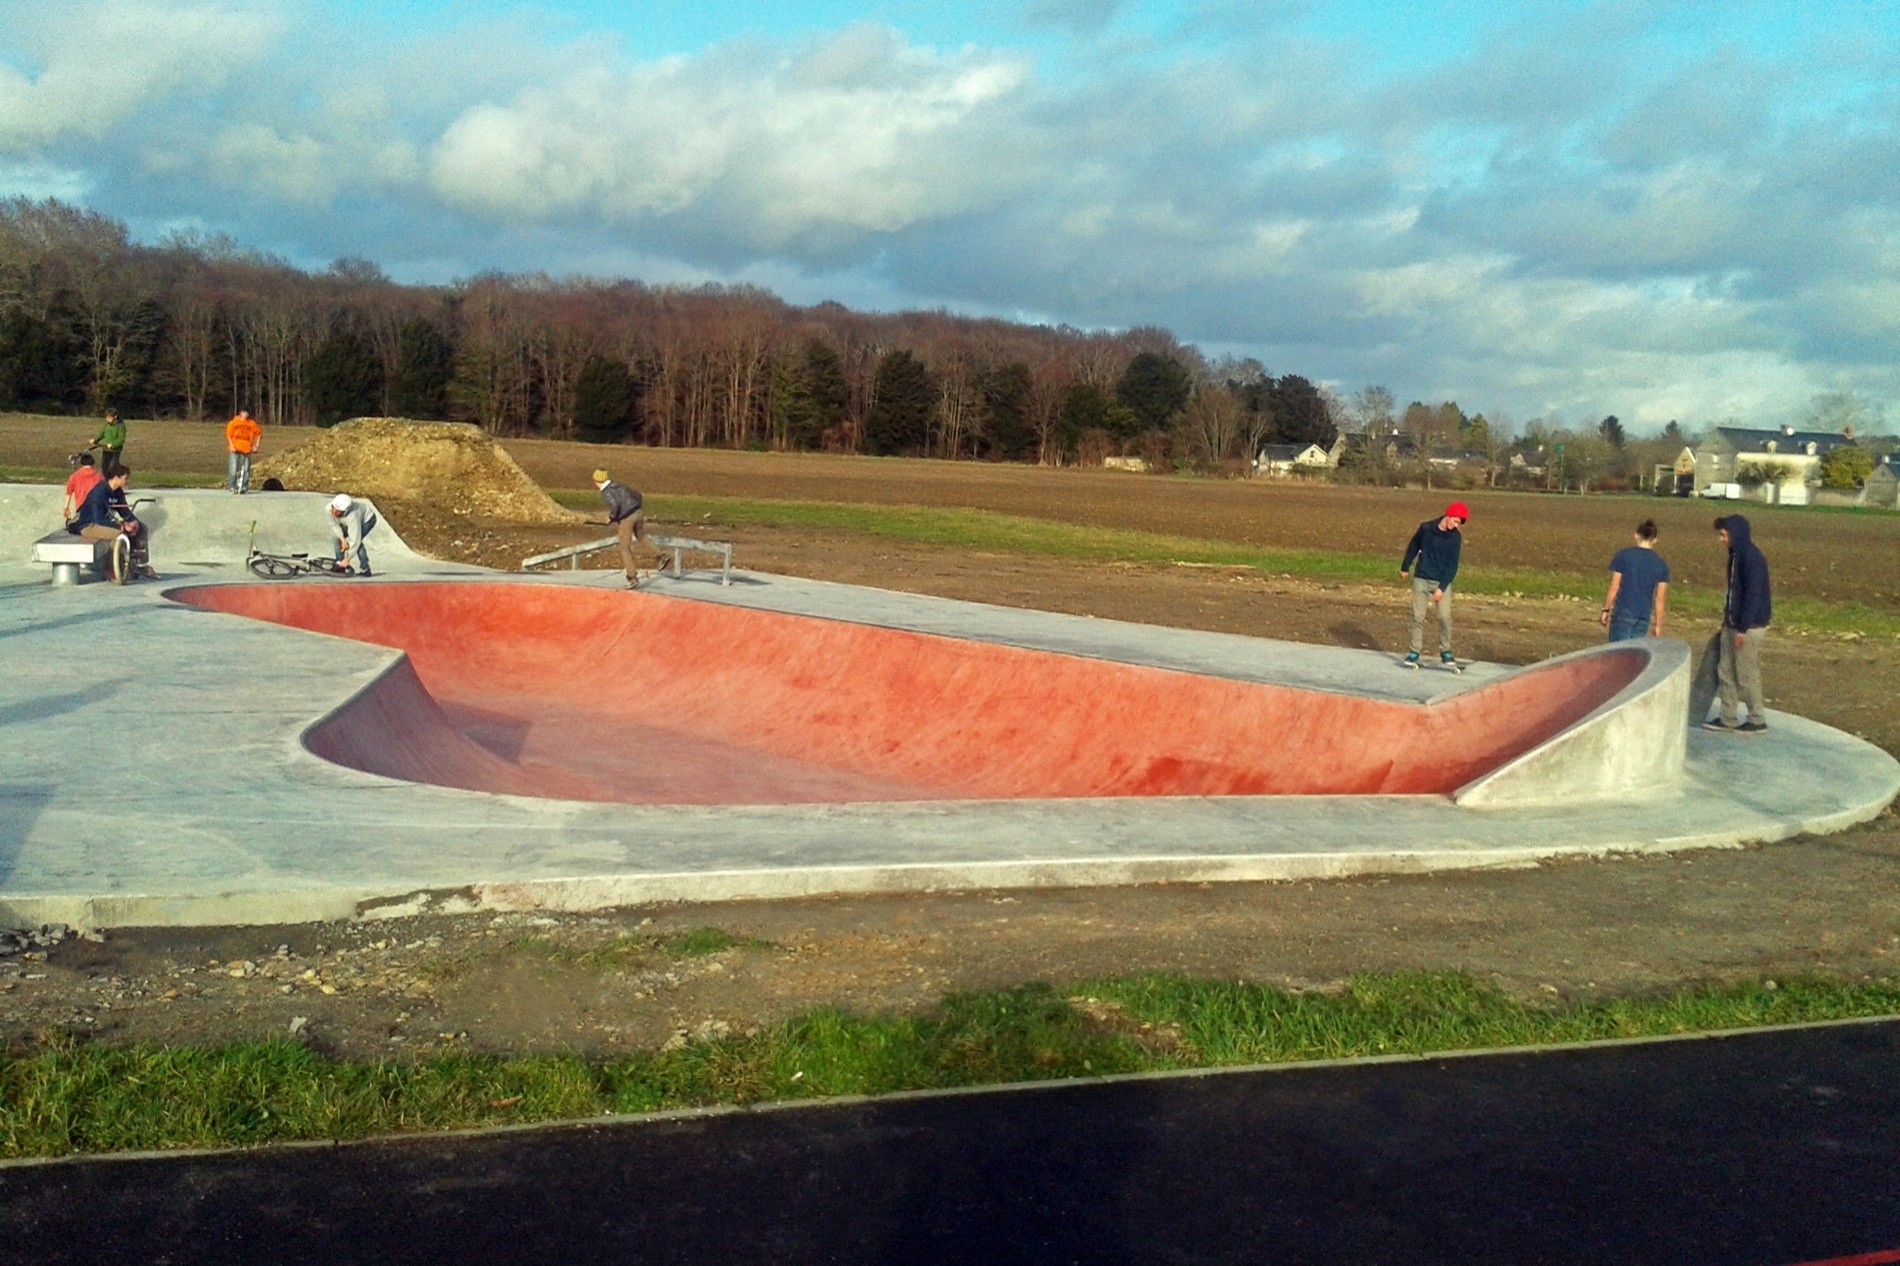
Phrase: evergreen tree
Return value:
(425, 364)
(342, 378)
(1004, 391)
(604, 397)
(39, 365)
(1154, 388)
(1299, 412)
(1611, 429)
(824, 394)
(808, 394)
(900, 420)
(1084, 410)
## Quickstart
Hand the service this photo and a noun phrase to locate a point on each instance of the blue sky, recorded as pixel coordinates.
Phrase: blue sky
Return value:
(1552, 209)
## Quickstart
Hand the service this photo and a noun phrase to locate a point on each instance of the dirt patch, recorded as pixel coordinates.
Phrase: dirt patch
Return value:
(454, 468)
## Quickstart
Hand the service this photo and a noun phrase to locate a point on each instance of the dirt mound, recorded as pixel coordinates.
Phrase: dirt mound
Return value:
(448, 465)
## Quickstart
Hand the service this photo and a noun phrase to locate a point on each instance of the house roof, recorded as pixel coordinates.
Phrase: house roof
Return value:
(1284, 452)
(1744, 439)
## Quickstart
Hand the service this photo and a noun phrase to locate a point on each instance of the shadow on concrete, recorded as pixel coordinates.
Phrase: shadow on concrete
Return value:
(20, 808)
(48, 706)
(116, 612)
(504, 735)
(1352, 635)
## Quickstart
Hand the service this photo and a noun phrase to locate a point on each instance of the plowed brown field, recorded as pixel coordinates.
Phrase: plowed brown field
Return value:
(1833, 556)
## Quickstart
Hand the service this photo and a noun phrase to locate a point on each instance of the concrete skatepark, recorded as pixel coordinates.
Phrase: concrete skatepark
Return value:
(219, 749)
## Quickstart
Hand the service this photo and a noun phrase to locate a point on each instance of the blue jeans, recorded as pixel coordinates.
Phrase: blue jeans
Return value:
(238, 473)
(1625, 628)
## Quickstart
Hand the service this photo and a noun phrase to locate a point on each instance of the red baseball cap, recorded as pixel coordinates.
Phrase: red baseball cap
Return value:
(1456, 510)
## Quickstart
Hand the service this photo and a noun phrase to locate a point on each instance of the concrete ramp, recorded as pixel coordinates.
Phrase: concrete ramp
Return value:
(199, 529)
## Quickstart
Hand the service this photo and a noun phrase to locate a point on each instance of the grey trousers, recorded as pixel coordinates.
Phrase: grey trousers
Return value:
(1738, 675)
(1422, 604)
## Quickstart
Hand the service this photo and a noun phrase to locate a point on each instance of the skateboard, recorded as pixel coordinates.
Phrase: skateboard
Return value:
(1453, 666)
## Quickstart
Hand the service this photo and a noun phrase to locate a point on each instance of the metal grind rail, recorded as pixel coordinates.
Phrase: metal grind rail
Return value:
(677, 544)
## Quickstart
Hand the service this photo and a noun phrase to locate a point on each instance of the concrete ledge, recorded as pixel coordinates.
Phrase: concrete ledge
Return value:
(1633, 744)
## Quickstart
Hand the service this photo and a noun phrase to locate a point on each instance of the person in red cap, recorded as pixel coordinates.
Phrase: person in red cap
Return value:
(1431, 564)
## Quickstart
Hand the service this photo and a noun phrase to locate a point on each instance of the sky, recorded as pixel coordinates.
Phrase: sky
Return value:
(1547, 209)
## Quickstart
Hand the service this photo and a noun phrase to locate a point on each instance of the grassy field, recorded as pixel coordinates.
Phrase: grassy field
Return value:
(72, 1098)
(1833, 570)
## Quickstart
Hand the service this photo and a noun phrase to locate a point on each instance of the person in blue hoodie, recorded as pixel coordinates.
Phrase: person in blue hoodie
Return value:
(1745, 614)
(1431, 564)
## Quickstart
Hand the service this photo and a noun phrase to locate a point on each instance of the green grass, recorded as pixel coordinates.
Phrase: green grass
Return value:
(141, 478)
(1016, 534)
(68, 1097)
(677, 947)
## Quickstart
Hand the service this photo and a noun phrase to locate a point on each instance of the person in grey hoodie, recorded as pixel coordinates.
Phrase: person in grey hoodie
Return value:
(626, 514)
(351, 522)
(1745, 614)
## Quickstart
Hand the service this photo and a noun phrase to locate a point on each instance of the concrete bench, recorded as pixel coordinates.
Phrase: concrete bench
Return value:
(68, 553)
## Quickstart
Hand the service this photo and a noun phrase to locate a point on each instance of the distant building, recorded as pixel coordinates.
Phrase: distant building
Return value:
(1882, 488)
(1387, 446)
(1739, 455)
(1287, 459)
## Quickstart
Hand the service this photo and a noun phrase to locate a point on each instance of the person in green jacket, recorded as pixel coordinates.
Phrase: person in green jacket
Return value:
(110, 442)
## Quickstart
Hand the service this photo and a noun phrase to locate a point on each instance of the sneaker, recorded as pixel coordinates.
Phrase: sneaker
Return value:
(1412, 658)
(1446, 657)
(1751, 726)
(1720, 726)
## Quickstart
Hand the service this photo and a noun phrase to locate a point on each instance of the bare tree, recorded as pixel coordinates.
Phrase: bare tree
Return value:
(1212, 423)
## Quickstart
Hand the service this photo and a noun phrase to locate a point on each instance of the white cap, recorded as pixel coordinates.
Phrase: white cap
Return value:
(341, 502)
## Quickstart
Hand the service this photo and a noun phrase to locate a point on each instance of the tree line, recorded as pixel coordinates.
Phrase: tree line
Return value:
(198, 327)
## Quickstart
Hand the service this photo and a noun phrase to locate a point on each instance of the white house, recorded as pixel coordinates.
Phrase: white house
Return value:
(1287, 459)
(1775, 466)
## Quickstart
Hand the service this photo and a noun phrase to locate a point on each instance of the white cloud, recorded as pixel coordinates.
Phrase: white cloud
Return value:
(95, 65)
(860, 134)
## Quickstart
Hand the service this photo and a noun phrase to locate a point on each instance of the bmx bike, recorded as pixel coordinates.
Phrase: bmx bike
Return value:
(284, 566)
(129, 556)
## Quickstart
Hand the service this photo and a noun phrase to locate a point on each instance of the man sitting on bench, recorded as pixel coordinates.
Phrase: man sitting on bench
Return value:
(105, 515)
(84, 477)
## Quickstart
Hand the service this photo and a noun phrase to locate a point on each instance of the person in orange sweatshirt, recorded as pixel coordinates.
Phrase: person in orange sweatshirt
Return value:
(244, 436)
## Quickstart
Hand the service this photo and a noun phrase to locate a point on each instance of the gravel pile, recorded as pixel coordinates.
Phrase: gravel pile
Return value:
(448, 465)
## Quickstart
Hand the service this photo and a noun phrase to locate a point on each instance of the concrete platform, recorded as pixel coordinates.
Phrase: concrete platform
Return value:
(153, 767)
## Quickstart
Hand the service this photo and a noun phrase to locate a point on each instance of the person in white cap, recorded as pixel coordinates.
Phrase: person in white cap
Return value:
(351, 521)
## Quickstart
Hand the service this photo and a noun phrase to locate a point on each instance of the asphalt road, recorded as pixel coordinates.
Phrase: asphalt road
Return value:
(1754, 1150)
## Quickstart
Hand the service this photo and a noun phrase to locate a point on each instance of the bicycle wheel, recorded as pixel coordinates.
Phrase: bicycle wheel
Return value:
(121, 559)
(271, 568)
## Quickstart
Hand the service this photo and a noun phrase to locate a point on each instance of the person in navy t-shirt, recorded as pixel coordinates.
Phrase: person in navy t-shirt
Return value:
(1639, 589)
